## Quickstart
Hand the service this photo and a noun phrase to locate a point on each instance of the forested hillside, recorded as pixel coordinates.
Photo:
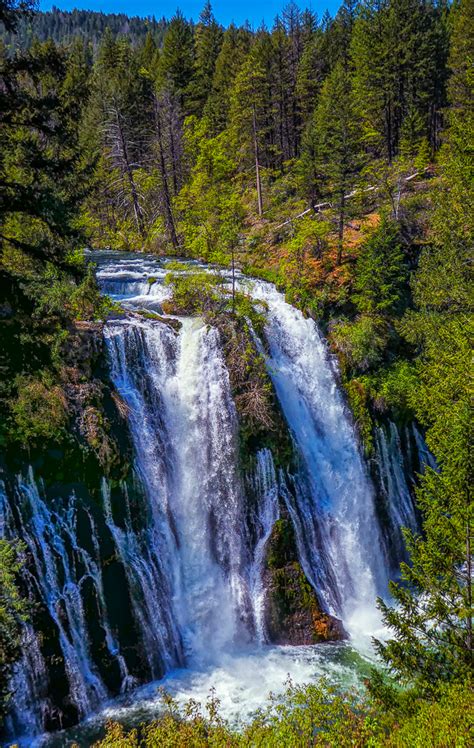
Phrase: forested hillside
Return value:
(331, 156)
(63, 27)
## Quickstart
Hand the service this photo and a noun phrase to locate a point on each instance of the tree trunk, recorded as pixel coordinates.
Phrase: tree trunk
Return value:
(173, 155)
(169, 218)
(233, 280)
(129, 172)
(257, 165)
(469, 637)
(342, 206)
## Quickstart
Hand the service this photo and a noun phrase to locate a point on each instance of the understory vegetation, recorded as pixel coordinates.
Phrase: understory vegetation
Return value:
(312, 716)
(331, 156)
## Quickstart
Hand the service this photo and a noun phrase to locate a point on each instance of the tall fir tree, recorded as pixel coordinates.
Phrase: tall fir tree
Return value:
(334, 152)
(208, 41)
(177, 60)
(234, 49)
(399, 55)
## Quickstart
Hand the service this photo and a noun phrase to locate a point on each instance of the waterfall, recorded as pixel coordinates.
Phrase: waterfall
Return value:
(60, 568)
(165, 571)
(425, 457)
(50, 538)
(184, 428)
(397, 464)
(398, 499)
(264, 485)
(29, 684)
(64, 576)
(333, 512)
(149, 591)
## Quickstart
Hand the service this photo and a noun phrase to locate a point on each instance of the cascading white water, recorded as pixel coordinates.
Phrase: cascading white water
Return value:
(401, 454)
(46, 534)
(265, 487)
(29, 684)
(184, 427)
(338, 534)
(399, 499)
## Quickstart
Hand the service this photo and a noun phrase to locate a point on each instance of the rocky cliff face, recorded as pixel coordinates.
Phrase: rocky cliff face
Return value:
(98, 416)
(293, 614)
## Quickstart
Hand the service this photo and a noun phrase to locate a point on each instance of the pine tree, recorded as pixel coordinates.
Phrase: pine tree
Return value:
(166, 141)
(121, 105)
(211, 211)
(177, 60)
(11, 11)
(399, 54)
(39, 172)
(249, 116)
(148, 54)
(208, 40)
(380, 271)
(333, 143)
(312, 70)
(283, 93)
(234, 49)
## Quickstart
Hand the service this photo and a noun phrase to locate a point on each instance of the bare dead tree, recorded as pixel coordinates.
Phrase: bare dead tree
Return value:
(161, 116)
(120, 147)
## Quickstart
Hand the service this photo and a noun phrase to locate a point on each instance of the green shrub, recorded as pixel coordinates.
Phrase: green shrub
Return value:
(38, 411)
(174, 266)
(444, 723)
(309, 716)
(361, 344)
(358, 396)
(196, 292)
(13, 613)
(397, 386)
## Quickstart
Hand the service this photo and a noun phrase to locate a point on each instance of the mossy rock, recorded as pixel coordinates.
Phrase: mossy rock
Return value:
(293, 614)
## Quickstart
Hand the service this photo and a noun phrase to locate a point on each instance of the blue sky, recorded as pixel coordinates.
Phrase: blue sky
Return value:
(237, 10)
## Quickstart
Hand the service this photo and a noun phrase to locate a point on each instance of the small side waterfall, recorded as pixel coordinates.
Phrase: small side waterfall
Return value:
(52, 543)
(399, 501)
(264, 486)
(400, 455)
(29, 686)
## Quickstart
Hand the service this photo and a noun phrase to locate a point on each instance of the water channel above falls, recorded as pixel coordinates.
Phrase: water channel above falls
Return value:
(195, 572)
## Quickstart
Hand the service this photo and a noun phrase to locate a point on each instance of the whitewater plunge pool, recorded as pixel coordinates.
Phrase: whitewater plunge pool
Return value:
(243, 683)
(195, 573)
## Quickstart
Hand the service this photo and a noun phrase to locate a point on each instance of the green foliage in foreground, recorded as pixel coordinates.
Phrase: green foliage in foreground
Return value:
(195, 292)
(200, 292)
(314, 715)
